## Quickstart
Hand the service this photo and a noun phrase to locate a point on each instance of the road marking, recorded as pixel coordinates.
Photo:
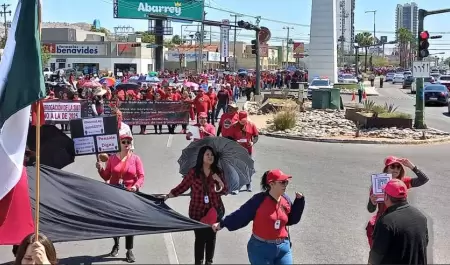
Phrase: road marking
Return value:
(171, 251)
(169, 140)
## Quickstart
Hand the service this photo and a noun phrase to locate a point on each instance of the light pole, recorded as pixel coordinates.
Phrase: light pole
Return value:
(374, 23)
(287, 44)
(235, 39)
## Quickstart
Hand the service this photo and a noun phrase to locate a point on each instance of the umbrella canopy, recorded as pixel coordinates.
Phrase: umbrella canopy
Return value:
(152, 79)
(127, 86)
(57, 149)
(109, 81)
(90, 84)
(234, 160)
(135, 77)
(153, 74)
(191, 84)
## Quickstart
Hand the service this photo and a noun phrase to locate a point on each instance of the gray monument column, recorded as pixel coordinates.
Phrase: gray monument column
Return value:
(323, 40)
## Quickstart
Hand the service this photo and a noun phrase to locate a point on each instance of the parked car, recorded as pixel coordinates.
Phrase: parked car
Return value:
(445, 80)
(389, 77)
(408, 81)
(435, 94)
(407, 73)
(398, 78)
(348, 79)
(426, 82)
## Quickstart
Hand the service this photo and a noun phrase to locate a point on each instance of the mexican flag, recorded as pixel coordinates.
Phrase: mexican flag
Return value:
(21, 85)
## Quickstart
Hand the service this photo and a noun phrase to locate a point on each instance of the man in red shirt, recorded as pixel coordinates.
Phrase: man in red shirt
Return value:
(202, 103)
(205, 129)
(246, 134)
(227, 120)
(213, 98)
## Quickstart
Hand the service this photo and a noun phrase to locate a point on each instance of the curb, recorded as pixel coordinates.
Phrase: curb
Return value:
(357, 141)
(368, 94)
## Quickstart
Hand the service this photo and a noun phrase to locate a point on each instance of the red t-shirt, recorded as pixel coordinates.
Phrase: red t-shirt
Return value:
(226, 122)
(202, 103)
(213, 97)
(244, 135)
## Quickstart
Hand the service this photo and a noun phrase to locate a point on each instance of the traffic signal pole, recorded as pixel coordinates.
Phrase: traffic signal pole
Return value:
(258, 66)
(419, 119)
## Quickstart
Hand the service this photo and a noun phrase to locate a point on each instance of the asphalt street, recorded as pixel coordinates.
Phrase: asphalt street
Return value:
(335, 179)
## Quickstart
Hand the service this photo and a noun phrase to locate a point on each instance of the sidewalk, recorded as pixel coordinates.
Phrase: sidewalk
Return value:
(370, 90)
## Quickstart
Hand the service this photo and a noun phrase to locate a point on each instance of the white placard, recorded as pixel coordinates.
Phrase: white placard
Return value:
(93, 126)
(58, 111)
(421, 69)
(107, 143)
(84, 145)
(194, 130)
(378, 181)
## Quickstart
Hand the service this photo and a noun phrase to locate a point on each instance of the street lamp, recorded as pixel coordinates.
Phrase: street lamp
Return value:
(356, 46)
(374, 15)
(287, 44)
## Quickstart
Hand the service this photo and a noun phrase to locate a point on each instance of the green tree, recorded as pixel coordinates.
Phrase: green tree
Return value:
(102, 30)
(405, 45)
(45, 55)
(176, 39)
(2, 42)
(147, 38)
(364, 40)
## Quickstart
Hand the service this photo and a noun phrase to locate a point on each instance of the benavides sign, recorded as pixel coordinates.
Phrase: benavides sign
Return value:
(140, 9)
(76, 49)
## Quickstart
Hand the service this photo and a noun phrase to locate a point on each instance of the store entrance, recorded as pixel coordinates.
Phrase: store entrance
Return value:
(124, 68)
(86, 68)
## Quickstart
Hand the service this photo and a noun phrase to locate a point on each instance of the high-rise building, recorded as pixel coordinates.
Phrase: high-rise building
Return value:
(407, 16)
(345, 30)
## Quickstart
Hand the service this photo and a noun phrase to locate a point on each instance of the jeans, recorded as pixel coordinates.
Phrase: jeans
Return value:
(129, 240)
(211, 116)
(222, 107)
(205, 241)
(260, 252)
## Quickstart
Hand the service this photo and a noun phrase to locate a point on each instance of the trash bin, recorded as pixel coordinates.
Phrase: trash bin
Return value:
(294, 85)
(381, 81)
(335, 98)
(320, 99)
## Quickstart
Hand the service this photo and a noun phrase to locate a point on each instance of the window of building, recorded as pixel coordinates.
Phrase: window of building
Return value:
(86, 68)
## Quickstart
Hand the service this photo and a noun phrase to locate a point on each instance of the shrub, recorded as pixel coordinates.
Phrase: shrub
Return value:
(285, 118)
(396, 114)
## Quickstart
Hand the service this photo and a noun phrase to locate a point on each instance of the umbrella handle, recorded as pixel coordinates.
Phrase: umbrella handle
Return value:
(218, 190)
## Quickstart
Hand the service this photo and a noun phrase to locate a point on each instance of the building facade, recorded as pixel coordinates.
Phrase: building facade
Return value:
(407, 16)
(345, 20)
(90, 54)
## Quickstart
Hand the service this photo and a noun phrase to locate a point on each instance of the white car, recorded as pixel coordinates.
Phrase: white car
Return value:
(389, 77)
(398, 78)
(47, 73)
(348, 79)
(317, 84)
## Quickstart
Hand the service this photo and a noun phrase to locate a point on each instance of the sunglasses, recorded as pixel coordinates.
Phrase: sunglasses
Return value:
(126, 142)
(395, 166)
(284, 182)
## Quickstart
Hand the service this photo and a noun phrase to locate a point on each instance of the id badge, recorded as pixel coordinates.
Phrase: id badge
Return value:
(206, 199)
(120, 181)
(277, 224)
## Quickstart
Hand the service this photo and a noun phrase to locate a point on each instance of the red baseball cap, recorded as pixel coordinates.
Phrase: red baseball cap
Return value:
(277, 175)
(243, 115)
(390, 160)
(126, 136)
(202, 115)
(396, 188)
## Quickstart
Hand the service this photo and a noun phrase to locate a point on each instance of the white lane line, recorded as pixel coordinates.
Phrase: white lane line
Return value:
(170, 246)
(169, 140)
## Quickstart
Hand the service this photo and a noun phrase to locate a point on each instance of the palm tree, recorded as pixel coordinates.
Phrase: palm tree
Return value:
(364, 40)
(405, 45)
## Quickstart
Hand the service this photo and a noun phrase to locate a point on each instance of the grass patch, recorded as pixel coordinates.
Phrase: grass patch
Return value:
(399, 115)
(285, 118)
(346, 86)
(382, 111)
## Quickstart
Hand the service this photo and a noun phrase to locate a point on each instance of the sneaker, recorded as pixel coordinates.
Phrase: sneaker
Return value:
(114, 251)
(235, 192)
(130, 256)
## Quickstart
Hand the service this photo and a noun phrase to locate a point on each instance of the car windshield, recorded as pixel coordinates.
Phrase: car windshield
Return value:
(319, 83)
(347, 76)
(436, 88)
(398, 76)
(410, 77)
(446, 78)
(428, 79)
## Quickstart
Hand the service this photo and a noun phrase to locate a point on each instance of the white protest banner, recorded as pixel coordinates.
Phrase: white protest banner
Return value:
(58, 111)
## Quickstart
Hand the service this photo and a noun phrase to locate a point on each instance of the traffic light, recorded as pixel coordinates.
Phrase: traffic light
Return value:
(135, 45)
(254, 50)
(424, 44)
(243, 24)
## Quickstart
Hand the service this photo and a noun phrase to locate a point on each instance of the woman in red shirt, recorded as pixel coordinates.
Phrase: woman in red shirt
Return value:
(395, 166)
(205, 129)
(124, 170)
(207, 186)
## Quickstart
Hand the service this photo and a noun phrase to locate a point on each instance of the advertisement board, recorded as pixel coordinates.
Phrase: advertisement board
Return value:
(76, 49)
(178, 9)
(224, 38)
(174, 56)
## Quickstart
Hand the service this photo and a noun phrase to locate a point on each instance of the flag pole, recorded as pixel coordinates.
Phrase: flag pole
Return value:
(38, 148)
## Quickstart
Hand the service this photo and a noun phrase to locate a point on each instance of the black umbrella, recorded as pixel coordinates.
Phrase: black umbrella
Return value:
(127, 86)
(57, 149)
(234, 160)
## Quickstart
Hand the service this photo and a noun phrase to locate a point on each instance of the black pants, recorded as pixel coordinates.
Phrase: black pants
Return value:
(184, 126)
(211, 116)
(156, 127)
(129, 242)
(205, 241)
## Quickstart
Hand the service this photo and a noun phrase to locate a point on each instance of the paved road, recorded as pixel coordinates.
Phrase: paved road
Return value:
(334, 178)
(435, 116)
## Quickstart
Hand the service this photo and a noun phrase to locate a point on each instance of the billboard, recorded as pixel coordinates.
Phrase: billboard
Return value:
(299, 50)
(140, 9)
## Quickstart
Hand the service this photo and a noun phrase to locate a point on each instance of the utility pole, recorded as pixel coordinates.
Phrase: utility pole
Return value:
(374, 23)
(4, 13)
(344, 16)
(234, 41)
(287, 44)
(202, 39)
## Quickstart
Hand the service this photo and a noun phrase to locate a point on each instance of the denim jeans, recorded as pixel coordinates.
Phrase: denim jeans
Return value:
(260, 252)
(222, 107)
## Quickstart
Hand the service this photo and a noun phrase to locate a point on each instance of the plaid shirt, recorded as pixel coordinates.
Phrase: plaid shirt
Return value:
(197, 206)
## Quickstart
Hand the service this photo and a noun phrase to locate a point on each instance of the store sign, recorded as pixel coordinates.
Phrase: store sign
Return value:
(76, 49)
(225, 38)
(213, 57)
(173, 56)
(141, 9)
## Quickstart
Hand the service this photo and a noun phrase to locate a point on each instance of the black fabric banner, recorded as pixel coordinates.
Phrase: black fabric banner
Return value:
(76, 208)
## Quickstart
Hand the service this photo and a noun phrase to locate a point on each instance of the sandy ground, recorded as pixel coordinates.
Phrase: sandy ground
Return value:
(260, 120)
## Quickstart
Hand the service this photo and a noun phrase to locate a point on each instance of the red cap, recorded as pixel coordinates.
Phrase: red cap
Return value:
(396, 188)
(126, 136)
(390, 160)
(202, 115)
(243, 115)
(277, 175)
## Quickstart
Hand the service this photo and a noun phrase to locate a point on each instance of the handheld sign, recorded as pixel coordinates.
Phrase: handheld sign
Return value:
(95, 135)
(378, 182)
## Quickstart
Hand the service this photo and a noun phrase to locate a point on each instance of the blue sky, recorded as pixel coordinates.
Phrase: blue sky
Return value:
(296, 12)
